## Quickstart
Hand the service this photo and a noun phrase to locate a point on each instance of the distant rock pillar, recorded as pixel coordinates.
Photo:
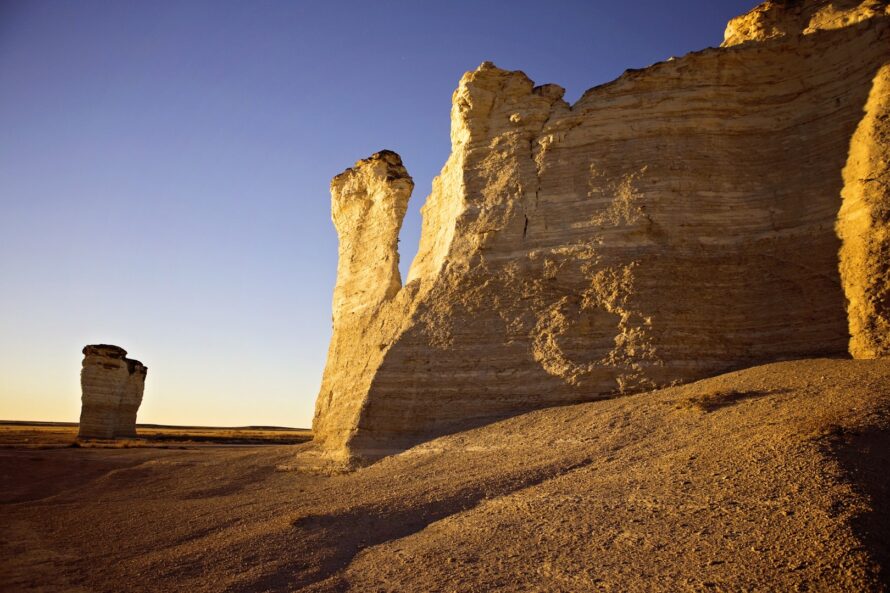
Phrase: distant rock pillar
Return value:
(111, 391)
(131, 398)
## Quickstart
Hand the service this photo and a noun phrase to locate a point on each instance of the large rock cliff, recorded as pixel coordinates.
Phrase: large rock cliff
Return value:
(675, 223)
(111, 386)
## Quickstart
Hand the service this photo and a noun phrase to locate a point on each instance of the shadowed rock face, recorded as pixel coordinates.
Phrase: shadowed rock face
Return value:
(111, 386)
(131, 398)
(673, 224)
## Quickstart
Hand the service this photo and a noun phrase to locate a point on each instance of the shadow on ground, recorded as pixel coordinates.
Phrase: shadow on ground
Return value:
(864, 455)
(339, 537)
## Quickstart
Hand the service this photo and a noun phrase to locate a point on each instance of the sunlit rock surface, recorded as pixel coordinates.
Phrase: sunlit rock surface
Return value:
(783, 18)
(368, 204)
(670, 225)
(864, 226)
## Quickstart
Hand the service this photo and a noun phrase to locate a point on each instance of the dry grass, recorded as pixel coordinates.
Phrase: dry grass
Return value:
(59, 434)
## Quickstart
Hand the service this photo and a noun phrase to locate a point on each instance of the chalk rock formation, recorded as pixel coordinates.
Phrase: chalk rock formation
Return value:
(864, 226)
(780, 18)
(111, 386)
(673, 224)
(131, 399)
(368, 205)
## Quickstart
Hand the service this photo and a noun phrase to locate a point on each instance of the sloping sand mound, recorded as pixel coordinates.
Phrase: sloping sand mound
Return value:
(768, 479)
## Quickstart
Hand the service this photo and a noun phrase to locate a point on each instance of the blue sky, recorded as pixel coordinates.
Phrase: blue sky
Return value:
(164, 171)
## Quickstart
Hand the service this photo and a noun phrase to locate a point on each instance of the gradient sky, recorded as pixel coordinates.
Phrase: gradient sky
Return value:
(164, 171)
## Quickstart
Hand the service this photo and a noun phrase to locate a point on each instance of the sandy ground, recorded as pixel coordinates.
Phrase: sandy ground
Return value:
(770, 479)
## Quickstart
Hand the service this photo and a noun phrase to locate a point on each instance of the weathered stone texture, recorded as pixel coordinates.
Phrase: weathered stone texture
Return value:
(784, 18)
(368, 205)
(111, 387)
(864, 226)
(131, 399)
(670, 225)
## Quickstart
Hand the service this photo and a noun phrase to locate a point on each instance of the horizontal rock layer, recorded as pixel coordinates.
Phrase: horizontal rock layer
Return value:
(670, 225)
(131, 399)
(111, 387)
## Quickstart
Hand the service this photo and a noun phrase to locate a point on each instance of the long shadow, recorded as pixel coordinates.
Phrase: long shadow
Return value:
(338, 537)
(864, 455)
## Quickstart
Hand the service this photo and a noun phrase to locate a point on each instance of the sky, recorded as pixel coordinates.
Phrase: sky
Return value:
(164, 172)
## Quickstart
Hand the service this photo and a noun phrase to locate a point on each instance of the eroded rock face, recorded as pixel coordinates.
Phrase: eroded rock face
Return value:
(368, 205)
(131, 399)
(670, 225)
(111, 386)
(864, 226)
(781, 18)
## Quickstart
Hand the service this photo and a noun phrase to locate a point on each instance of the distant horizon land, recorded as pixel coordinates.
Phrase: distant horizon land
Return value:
(154, 425)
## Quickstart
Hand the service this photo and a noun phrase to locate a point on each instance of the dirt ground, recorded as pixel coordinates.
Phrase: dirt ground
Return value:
(773, 478)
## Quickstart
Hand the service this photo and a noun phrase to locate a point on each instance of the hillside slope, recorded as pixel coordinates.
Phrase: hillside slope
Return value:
(767, 479)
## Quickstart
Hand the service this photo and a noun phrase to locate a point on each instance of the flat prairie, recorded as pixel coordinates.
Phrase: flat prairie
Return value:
(55, 434)
(773, 478)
